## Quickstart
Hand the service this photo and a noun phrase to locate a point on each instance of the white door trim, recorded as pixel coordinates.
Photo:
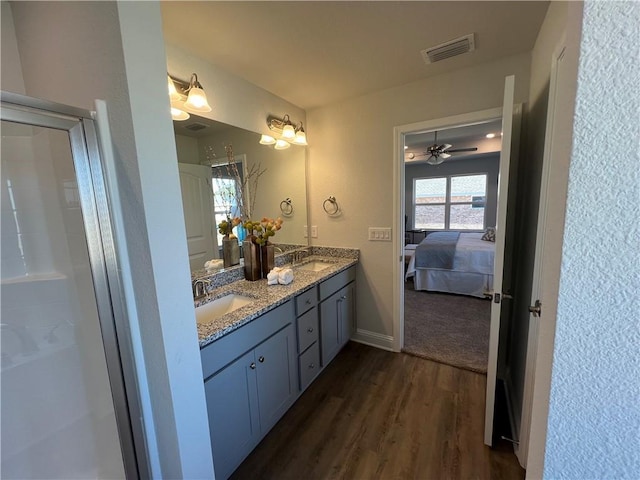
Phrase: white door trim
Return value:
(399, 133)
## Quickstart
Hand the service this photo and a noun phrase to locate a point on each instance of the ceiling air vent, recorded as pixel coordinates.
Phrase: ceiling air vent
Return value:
(194, 127)
(449, 49)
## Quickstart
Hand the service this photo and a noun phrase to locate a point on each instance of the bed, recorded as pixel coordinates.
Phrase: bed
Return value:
(461, 264)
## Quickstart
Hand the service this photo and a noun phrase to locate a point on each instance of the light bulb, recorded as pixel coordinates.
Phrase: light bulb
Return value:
(177, 114)
(301, 138)
(490, 135)
(288, 132)
(282, 145)
(267, 140)
(173, 93)
(197, 101)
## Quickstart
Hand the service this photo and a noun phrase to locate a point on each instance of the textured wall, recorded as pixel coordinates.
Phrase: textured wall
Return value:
(594, 420)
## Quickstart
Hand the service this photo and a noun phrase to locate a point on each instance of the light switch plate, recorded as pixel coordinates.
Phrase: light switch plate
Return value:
(314, 231)
(380, 234)
(306, 232)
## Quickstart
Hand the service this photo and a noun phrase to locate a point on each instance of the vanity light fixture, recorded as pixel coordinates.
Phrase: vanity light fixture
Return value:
(286, 133)
(187, 97)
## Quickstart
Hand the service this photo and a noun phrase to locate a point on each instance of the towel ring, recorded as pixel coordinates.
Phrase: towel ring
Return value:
(286, 207)
(330, 205)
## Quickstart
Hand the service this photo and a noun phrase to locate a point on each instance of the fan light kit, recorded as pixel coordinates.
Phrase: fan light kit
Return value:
(439, 153)
(286, 133)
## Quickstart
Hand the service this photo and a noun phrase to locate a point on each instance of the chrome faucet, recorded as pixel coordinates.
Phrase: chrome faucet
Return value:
(200, 288)
(298, 255)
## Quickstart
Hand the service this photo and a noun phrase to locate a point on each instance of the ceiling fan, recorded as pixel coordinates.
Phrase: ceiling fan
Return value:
(438, 153)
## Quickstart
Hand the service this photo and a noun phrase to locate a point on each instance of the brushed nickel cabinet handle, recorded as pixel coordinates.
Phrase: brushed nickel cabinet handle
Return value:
(252, 366)
(261, 359)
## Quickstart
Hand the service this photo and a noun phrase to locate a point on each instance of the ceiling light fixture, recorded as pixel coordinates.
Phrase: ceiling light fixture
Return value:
(490, 135)
(187, 97)
(286, 133)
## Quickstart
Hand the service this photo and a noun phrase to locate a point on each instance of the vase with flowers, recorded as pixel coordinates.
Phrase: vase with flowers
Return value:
(259, 255)
(230, 246)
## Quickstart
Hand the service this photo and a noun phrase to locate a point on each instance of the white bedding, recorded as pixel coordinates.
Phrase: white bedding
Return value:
(472, 272)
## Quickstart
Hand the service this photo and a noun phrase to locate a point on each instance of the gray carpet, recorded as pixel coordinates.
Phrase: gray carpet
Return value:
(446, 328)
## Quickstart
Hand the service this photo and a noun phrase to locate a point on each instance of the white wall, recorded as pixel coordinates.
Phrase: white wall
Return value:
(351, 157)
(73, 53)
(594, 418)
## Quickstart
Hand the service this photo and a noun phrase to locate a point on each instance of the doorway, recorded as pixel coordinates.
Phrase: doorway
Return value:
(500, 308)
(451, 190)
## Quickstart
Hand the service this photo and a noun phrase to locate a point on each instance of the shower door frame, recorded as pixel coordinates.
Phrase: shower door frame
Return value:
(94, 201)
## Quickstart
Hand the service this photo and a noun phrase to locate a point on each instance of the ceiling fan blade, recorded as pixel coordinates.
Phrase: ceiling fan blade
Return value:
(472, 149)
(444, 146)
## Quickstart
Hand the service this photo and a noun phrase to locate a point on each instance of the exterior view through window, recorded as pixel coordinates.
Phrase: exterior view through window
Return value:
(450, 203)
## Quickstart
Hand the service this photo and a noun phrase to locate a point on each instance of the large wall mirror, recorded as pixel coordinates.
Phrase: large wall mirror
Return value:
(203, 162)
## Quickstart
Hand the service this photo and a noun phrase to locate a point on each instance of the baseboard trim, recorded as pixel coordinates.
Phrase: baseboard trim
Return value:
(374, 339)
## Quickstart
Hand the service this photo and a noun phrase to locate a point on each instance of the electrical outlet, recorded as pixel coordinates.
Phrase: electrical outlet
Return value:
(380, 234)
(306, 232)
(314, 231)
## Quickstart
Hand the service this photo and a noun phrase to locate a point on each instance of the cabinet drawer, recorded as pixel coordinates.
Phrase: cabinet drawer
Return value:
(335, 283)
(307, 329)
(309, 365)
(306, 300)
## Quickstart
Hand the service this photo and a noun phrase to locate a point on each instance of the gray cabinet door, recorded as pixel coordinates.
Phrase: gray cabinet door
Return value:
(232, 406)
(346, 312)
(336, 321)
(277, 371)
(329, 328)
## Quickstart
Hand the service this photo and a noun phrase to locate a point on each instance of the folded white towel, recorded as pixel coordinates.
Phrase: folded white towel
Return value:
(213, 264)
(285, 276)
(272, 276)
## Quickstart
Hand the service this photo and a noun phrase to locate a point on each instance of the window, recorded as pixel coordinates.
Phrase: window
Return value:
(450, 203)
(225, 193)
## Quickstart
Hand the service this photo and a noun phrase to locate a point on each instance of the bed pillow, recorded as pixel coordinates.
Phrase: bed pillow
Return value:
(489, 234)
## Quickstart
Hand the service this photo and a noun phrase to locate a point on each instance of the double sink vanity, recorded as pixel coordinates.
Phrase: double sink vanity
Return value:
(262, 345)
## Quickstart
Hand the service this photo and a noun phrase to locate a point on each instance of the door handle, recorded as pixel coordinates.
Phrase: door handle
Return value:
(536, 309)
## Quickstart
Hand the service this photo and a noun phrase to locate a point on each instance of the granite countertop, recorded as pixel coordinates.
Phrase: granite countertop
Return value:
(267, 297)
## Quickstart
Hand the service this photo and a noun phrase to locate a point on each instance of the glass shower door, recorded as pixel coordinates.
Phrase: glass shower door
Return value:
(58, 413)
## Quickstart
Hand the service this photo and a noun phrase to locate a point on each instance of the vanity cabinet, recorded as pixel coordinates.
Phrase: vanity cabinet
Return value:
(250, 382)
(307, 333)
(337, 313)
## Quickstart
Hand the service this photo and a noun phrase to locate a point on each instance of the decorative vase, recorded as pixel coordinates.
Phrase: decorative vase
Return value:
(230, 251)
(252, 260)
(267, 253)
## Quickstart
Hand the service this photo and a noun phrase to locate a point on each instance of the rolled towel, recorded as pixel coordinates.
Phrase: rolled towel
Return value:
(272, 276)
(285, 276)
(213, 264)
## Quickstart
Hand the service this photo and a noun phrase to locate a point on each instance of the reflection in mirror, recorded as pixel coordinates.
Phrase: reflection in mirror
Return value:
(203, 162)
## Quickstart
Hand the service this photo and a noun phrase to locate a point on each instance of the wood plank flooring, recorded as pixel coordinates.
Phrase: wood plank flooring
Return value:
(374, 414)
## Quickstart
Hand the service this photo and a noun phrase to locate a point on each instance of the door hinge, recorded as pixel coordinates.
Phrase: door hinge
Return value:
(497, 297)
(536, 309)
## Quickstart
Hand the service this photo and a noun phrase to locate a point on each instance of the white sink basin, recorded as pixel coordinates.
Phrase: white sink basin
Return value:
(314, 265)
(221, 306)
